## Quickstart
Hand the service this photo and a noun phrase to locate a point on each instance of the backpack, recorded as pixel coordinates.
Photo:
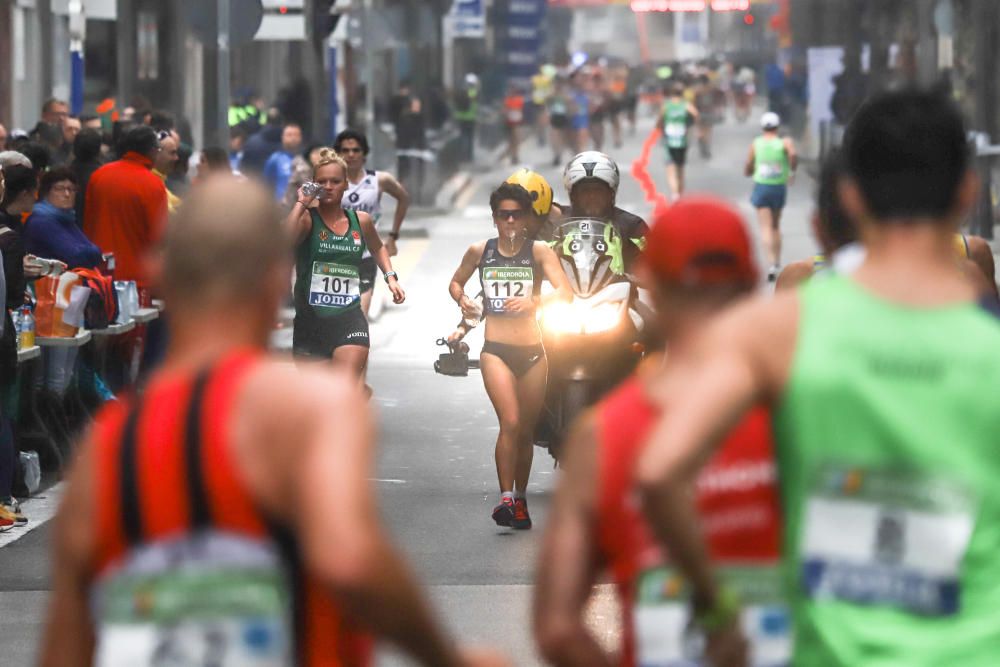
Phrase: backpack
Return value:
(102, 306)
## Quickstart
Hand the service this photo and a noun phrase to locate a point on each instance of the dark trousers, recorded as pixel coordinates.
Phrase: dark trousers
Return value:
(468, 136)
(411, 174)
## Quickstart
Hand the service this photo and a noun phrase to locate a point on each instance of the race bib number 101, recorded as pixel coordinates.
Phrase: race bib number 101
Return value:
(334, 285)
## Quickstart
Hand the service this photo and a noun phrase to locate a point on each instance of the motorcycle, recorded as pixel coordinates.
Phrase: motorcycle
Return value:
(592, 342)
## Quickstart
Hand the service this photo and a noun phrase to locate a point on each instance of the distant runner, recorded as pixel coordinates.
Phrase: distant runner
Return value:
(364, 193)
(772, 163)
(676, 119)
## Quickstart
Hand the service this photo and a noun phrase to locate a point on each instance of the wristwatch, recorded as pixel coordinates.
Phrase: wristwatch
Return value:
(390, 274)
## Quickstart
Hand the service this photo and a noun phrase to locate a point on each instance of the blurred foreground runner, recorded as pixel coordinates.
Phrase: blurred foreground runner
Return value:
(225, 517)
(698, 261)
(886, 429)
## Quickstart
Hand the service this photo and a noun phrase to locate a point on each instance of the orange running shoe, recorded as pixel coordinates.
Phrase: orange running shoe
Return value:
(522, 520)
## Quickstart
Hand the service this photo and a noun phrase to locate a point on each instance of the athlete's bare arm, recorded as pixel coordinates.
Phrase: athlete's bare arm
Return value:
(381, 254)
(470, 261)
(750, 163)
(981, 253)
(299, 220)
(69, 629)
(793, 156)
(695, 114)
(389, 185)
(794, 274)
(744, 358)
(569, 562)
(307, 445)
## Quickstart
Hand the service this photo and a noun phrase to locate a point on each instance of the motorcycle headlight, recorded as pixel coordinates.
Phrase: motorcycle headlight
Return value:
(601, 318)
(580, 317)
(561, 318)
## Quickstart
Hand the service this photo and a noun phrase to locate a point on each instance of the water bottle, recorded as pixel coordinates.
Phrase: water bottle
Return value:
(27, 338)
(473, 322)
(15, 318)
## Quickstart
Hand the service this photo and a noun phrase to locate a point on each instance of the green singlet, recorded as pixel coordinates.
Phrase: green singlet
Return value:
(770, 161)
(675, 124)
(888, 457)
(328, 281)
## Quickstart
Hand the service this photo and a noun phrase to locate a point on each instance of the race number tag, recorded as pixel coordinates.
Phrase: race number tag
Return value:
(334, 285)
(225, 618)
(908, 535)
(666, 637)
(676, 130)
(771, 170)
(504, 282)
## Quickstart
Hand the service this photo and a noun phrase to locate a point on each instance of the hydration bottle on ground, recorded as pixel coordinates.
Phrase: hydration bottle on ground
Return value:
(26, 332)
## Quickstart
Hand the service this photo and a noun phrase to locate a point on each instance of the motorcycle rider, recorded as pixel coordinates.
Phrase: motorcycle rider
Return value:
(591, 180)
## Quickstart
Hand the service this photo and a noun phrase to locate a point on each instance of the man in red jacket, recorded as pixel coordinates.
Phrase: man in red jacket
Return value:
(126, 205)
(125, 211)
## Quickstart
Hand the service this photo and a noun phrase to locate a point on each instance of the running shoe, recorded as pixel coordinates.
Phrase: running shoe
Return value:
(12, 510)
(522, 520)
(503, 513)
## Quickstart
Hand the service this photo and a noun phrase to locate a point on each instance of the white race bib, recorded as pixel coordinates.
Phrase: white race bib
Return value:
(907, 539)
(504, 282)
(676, 130)
(665, 636)
(771, 170)
(223, 618)
(334, 285)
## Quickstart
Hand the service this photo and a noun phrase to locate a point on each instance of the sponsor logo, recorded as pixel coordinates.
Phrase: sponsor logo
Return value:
(357, 334)
(323, 235)
(354, 197)
(357, 238)
(508, 273)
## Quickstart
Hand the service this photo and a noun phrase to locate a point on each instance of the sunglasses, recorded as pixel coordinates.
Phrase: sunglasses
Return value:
(510, 214)
(350, 150)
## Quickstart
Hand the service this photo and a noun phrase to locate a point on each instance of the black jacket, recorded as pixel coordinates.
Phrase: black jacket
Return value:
(12, 248)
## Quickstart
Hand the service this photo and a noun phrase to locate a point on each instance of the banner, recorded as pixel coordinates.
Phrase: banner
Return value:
(521, 38)
(468, 19)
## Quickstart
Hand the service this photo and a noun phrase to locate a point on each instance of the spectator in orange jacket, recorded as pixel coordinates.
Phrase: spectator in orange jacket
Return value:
(126, 204)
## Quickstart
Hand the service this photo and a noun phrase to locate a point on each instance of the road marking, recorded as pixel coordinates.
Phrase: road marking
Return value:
(39, 510)
(390, 481)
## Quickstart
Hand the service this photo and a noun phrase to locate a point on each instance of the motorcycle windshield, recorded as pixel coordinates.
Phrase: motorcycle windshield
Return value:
(590, 252)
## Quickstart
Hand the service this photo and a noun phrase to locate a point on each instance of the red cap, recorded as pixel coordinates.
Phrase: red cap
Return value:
(700, 241)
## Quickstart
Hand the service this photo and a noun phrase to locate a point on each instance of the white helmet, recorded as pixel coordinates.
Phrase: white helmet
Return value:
(591, 164)
(770, 121)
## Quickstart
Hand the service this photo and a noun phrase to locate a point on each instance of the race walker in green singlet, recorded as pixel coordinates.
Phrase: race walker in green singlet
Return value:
(771, 163)
(917, 572)
(328, 289)
(676, 118)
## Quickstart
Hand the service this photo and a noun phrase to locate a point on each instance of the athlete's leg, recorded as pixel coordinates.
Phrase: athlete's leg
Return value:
(501, 387)
(530, 398)
(354, 357)
(776, 234)
(765, 220)
(674, 180)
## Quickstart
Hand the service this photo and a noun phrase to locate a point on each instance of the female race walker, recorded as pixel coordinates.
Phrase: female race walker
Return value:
(330, 244)
(513, 364)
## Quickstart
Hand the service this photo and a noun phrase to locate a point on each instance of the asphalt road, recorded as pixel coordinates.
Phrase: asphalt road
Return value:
(436, 474)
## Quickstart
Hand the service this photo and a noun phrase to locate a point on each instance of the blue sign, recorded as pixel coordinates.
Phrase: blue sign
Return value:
(468, 19)
(521, 36)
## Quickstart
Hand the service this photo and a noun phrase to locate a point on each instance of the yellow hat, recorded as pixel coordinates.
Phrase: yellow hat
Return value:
(537, 186)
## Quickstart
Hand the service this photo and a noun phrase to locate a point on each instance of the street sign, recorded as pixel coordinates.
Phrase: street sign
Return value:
(467, 19)
(244, 15)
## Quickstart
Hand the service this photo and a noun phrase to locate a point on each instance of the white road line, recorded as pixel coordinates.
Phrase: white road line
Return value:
(39, 510)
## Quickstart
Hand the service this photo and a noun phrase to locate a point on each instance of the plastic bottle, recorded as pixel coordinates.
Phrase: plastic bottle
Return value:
(27, 338)
(473, 322)
(16, 318)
